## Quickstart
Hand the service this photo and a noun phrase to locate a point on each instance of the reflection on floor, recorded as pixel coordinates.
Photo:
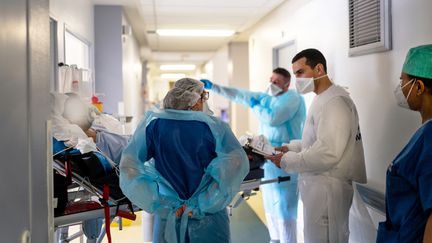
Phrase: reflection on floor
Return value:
(247, 227)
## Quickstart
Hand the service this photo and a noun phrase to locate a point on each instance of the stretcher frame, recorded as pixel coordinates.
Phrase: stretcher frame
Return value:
(78, 218)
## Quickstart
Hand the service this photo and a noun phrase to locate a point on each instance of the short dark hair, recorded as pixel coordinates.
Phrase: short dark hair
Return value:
(427, 81)
(313, 58)
(283, 72)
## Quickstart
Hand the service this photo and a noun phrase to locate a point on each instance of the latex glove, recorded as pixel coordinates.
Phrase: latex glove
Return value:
(253, 102)
(207, 83)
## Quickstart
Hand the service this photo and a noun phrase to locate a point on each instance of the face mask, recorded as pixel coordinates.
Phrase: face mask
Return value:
(206, 109)
(273, 90)
(401, 100)
(306, 85)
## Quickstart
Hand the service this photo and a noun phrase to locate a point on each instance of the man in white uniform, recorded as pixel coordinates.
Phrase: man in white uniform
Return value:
(329, 156)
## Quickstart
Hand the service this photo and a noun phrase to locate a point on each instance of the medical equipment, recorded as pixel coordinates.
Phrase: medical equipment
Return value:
(253, 180)
(75, 80)
(249, 187)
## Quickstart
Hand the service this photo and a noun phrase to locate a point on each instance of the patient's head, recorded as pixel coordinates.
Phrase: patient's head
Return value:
(185, 95)
(77, 112)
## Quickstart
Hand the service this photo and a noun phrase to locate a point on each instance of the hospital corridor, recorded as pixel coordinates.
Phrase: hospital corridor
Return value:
(200, 121)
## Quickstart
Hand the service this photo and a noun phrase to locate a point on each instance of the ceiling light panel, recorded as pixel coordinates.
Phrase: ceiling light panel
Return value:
(177, 67)
(172, 75)
(195, 33)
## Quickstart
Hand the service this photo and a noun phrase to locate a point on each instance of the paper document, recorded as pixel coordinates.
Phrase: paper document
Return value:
(260, 145)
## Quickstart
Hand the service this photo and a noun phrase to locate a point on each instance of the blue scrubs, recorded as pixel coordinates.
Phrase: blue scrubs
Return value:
(180, 157)
(408, 190)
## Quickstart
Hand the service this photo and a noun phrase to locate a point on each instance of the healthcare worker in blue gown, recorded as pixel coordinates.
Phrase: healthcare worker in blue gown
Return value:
(409, 176)
(185, 166)
(282, 114)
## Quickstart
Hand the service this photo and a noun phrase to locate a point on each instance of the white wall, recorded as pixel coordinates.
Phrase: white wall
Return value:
(76, 16)
(238, 68)
(229, 67)
(219, 73)
(132, 76)
(323, 24)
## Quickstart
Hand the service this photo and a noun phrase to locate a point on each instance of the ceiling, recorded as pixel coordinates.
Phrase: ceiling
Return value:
(146, 16)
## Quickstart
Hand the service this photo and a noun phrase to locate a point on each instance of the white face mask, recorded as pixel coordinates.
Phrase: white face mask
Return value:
(273, 90)
(206, 109)
(306, 85)
(401, 100)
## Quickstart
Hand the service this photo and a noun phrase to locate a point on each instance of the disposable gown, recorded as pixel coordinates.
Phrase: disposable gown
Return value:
(329, 157)
(281, 120)
(144, 185)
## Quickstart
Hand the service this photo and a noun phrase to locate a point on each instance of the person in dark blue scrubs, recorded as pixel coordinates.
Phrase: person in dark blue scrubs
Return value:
(185, 166)
(409, 176)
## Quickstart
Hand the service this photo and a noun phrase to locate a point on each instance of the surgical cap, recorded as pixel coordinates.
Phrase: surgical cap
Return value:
(418, 62)
(184, 94)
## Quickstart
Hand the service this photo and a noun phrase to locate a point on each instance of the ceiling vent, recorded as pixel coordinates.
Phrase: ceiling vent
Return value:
(369, 26)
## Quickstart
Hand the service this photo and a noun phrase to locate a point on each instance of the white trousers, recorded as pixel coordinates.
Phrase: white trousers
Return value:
(326, 204)
(283, 231)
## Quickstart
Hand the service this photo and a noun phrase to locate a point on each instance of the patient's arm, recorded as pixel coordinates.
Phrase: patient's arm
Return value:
(91, 133)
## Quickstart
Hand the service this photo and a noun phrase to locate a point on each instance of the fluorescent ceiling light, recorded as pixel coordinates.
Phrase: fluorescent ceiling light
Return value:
(180, 32)
(185, 67)
(173, 75)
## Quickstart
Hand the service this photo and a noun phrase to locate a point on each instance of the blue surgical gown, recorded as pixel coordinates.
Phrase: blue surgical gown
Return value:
(187, 158)
(281, 120)
(191, 151)
(408, 190)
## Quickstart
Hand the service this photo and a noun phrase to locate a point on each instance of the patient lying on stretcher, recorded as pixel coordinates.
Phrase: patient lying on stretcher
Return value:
(91, 141)
(83, 127)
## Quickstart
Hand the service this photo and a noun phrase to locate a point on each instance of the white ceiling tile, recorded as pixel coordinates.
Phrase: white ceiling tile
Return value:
(196, 14)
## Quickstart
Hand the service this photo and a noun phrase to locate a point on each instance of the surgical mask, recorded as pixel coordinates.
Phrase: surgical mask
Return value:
(273, 90)
(206, 109)
(306, 85)
(401, 100)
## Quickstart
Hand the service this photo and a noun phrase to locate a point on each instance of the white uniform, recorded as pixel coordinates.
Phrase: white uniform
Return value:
(329, 157)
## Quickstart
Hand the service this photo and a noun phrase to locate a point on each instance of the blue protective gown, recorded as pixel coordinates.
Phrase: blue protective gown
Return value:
(281, 120)
(187, 158)
(408, 190)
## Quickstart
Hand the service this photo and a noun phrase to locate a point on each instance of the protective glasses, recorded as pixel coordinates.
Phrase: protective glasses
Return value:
(205, 95)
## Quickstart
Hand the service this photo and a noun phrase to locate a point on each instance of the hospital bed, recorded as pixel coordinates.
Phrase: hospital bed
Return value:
(88, 198)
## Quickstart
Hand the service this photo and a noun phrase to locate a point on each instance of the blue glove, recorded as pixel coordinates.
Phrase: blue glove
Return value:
(253, 102)
(207, 83)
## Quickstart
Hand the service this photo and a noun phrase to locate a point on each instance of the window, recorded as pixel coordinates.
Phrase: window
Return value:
(78, 72)
(77, 51)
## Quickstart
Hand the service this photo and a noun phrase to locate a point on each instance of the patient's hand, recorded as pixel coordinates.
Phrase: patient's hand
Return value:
(91, 133)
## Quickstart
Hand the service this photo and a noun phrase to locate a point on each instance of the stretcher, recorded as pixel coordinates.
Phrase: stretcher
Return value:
(89, 202)
(254, 178)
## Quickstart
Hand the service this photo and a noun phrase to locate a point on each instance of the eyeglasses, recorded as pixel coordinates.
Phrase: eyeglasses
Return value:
(205, 95)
